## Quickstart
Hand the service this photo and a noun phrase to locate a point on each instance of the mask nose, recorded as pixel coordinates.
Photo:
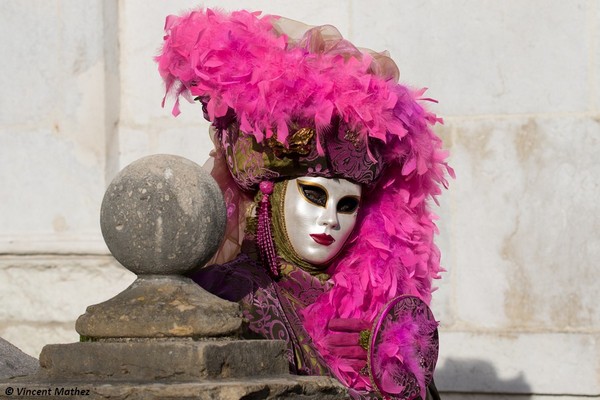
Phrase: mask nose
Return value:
(329, 218)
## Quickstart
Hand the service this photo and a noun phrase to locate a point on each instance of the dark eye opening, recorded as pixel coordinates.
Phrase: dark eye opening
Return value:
(314, 194)
(348, 204)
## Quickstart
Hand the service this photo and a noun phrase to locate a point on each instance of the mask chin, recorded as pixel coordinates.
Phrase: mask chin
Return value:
(319, 215)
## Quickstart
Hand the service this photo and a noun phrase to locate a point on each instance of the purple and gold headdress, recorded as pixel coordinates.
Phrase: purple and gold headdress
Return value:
(310, 103)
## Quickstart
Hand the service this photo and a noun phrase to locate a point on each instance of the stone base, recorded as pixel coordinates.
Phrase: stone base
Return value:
(156, 361)
(167, 370)
(277, 387)
(160, 306)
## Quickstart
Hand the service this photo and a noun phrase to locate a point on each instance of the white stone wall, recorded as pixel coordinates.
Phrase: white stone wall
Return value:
(519, 88)
(59, 113)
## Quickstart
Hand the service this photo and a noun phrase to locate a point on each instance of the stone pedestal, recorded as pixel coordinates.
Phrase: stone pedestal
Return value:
(164, 337)
(156, 306)
(171, 360)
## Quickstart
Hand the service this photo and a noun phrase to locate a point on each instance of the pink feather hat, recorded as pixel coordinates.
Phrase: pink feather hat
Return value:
(253, 77)
(267, 84)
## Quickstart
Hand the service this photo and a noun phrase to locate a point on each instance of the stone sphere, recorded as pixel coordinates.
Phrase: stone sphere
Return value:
(163, 214)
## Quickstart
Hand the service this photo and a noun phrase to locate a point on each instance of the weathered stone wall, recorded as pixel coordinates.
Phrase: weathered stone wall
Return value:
(519, 88)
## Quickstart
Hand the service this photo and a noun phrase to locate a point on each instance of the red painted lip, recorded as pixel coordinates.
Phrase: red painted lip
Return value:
(323, 238)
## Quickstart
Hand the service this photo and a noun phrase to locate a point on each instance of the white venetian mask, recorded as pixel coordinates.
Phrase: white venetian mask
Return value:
(320, 214)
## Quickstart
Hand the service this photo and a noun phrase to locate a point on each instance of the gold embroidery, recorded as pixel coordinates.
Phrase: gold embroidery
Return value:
(365, 339)
(352, 137)
(298, 143)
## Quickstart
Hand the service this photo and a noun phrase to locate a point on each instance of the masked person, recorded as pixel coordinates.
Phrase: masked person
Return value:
(327, 165)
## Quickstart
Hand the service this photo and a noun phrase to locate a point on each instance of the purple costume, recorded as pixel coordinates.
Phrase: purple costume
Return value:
(271, 310)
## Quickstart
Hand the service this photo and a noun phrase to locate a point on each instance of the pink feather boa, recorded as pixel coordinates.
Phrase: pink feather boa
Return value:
(392, 252)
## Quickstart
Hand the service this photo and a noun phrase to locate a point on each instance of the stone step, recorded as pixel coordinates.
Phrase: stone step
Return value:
(13, 362)
(174, 360)
(275, 387)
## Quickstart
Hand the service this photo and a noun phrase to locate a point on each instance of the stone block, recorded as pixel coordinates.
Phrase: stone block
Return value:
(56, 289)
(192, 142)
(42, 296)
(312, 12)
(595, 67)
(52, 124)
(508, 57)
(519, 363)
(13, 362)
(161, 306)
(59, 204)
(51, 46)
(442, 302)
(23, 244)
(32, 337)
(162, 361)
(521, 203)
(140, 80)
(186, 135)
(133, 145)
(267, 388)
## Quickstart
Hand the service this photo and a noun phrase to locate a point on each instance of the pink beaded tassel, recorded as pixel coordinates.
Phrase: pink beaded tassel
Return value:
(264, 235)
